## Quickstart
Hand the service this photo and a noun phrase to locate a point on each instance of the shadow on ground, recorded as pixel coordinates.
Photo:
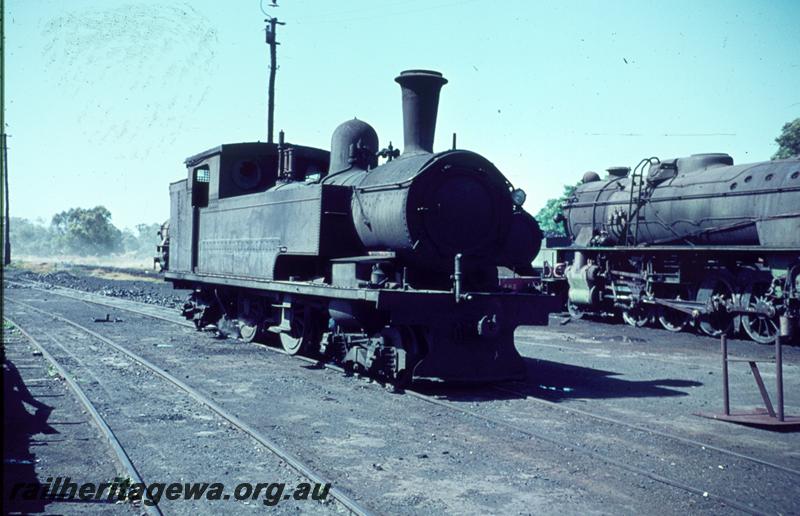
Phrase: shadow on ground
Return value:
(19, 463)
(554, 381)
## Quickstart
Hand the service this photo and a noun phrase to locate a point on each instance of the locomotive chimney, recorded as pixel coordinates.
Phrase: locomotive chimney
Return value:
(420, 106)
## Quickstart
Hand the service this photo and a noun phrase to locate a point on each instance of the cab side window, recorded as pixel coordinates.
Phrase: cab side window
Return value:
(201, 177)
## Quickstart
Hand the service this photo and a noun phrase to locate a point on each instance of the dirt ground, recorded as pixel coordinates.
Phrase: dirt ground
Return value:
(561, 447)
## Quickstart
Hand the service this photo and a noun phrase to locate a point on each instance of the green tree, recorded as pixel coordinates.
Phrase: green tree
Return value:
(552, 208)
(144, 241)
(31, 238)
(86, 231)
(789, 140)
(129, 241)
(148, 234)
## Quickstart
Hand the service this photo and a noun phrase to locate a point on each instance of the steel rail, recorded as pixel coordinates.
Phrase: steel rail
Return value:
(652, 431)
(562, 444)
(598, 456)
(345, 499)
(59, 291)
(99, 421)
(640, 428)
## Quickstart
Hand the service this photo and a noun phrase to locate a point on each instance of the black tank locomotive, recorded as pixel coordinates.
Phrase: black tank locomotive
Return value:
(390, 268)
(689, 240)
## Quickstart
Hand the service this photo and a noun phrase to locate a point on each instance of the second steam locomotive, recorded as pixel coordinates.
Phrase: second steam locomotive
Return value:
(390, 269)
(695, 239)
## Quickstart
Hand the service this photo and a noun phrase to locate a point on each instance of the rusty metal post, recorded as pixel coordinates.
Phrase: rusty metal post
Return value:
(762, 389)
(779, 375)
(726, 401)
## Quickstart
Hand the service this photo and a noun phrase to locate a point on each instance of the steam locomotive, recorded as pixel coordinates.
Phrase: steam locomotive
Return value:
(389, 269)
(689, 240)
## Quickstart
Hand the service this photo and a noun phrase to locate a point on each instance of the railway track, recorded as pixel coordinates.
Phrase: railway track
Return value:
(91, 410)
(345, 499)
(652, 431)
(81, 296)
(607, 459)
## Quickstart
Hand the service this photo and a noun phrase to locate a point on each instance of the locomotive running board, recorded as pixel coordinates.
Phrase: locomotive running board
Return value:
(470, 340)
(307, 288)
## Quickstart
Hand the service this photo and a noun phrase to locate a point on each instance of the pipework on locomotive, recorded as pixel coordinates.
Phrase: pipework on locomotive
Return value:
(390, 269)
(695, 240)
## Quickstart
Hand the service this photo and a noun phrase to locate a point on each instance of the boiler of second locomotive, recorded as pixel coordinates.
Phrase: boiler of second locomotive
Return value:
(700, 199)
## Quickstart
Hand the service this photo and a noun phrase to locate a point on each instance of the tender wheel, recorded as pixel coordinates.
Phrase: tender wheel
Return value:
(305, 334)
(715, 290)
(638, 316)
(760, 328)
(675, 320)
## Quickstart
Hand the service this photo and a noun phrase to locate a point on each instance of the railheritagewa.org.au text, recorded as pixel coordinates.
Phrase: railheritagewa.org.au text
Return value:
(122, 490)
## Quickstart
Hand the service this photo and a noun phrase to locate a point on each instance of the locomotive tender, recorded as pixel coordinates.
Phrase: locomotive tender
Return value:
(389, 269)
(695, 239)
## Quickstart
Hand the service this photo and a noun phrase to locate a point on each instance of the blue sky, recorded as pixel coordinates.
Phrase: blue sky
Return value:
(106, 98)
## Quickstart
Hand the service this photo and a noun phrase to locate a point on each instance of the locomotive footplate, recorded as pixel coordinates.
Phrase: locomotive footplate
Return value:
(468, 338)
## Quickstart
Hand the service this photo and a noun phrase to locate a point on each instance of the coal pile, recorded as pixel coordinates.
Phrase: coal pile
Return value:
(151, 292)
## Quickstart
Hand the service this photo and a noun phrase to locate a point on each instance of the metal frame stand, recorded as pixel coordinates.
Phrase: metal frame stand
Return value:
(765, 417)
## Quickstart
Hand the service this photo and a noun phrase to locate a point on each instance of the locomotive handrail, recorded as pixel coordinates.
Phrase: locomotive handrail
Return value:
(748, 193)
(637, 212)
(630, 204)
(671, 229)
(385, 186)
(594, 204)
(676, 248)
(733, 226)
(322, 180)
(406, 182)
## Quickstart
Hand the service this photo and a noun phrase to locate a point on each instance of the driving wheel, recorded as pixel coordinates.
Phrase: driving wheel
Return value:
(675, 320)
(715, 290)
(637, 316)
(305, 334)
(761, 327)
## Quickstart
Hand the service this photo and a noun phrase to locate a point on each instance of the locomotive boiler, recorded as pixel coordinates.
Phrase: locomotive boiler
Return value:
(390, 269)
(695, 239)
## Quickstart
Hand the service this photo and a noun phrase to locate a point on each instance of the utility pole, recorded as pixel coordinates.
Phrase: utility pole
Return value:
(6, 229)
(3, 135)
(272, 24)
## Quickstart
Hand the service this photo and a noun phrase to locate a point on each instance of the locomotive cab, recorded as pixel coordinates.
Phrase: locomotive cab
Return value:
(231, 170)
